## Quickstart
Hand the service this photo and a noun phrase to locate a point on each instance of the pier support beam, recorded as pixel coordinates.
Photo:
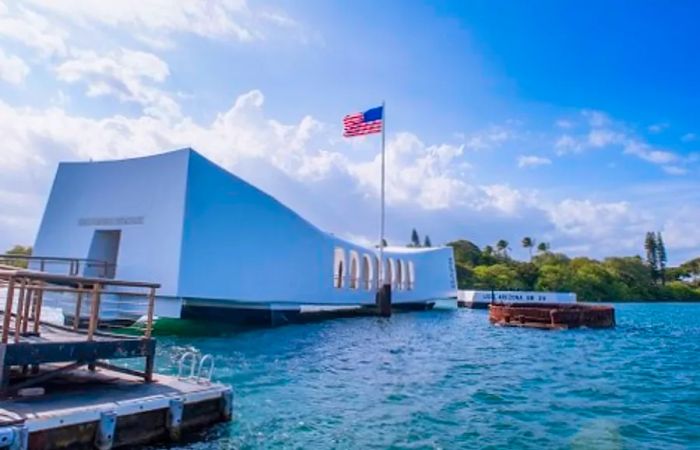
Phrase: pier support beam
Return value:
(104, 436)
(227, 404)
(177, 405)
(383, 300)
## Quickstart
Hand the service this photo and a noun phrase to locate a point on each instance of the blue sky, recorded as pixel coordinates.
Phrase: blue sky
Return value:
(573, 123)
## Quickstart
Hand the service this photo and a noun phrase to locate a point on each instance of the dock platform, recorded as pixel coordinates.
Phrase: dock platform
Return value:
(63, 386)
(104, 410)
(27, 342)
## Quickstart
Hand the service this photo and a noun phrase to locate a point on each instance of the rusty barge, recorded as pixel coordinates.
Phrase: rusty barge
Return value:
(552, 316)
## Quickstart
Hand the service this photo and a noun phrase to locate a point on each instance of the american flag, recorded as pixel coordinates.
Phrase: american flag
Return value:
(361, 123)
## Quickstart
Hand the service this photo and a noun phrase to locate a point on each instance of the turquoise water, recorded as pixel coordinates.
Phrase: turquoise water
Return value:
(448, 379)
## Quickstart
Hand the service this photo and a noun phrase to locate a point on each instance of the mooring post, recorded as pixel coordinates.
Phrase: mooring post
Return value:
(384, 300)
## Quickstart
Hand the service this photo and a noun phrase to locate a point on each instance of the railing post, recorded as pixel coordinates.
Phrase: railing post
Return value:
(78, 307)
(95, 311)
(8, 309)
(149, 316)
(20, 307)
(31, 292)
(37, 306)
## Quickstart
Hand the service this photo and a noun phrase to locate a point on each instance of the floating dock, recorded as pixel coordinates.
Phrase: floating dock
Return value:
(106, 410)
(555, 316)
(62, 387)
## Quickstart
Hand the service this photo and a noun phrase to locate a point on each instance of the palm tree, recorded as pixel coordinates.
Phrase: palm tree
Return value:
(502, 247)
(528, 243)
(542, 247)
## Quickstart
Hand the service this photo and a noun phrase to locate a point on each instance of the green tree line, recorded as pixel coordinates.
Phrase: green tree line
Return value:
(613, 278)
(19, 250)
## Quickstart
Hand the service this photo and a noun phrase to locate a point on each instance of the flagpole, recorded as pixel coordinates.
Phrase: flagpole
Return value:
(381, 232)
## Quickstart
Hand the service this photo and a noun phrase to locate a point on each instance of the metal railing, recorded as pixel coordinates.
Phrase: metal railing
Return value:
(26, 292)
(57, 264)
(26, 339)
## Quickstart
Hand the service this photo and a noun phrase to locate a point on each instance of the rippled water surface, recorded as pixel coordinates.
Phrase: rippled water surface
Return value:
(448, 379)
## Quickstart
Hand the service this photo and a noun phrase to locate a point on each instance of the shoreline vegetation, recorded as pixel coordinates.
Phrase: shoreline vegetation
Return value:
(615, 278)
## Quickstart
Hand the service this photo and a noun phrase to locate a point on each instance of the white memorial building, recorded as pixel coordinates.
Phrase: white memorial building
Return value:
(220, 247)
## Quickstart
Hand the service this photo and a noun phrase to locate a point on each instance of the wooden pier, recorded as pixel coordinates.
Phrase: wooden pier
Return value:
(27, 342)
(48, 400)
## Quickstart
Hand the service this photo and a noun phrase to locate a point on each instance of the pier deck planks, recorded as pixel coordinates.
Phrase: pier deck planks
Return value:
(55, 343)
(69, 412)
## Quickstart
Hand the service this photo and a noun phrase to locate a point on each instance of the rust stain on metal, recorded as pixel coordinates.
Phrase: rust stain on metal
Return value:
(552, 316)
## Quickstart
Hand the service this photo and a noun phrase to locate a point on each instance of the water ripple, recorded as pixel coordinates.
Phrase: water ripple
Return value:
(447, 379)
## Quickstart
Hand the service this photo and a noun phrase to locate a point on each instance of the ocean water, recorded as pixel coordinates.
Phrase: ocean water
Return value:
(448, 379)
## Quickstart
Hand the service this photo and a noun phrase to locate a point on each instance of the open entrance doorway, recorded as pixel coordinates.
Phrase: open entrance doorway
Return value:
(104, 247)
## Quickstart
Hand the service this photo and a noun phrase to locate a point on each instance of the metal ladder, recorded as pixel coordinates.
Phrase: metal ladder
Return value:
(204, 368)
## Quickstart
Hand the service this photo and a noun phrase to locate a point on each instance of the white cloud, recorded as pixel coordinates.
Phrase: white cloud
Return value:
(567, 144)
(417, 173)
(616, 223)
(647, 153)
(596, 118)
(430, 182)
(605, 133)
(680, 230)
(12, 68)
(564, 124)
(657, 128)
(689, 137)
(675, 170)
(125, 74)
(157, 22)
(492, 137)
(601, 137)
(532, 161)
(34, 31)
(505, 199)
(209, 19)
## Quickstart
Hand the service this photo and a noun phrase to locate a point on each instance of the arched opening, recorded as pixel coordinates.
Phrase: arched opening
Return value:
(354, 270)
(411, 275)
(339, 268)
(388, 272)
(367, 274)
(398, 282)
